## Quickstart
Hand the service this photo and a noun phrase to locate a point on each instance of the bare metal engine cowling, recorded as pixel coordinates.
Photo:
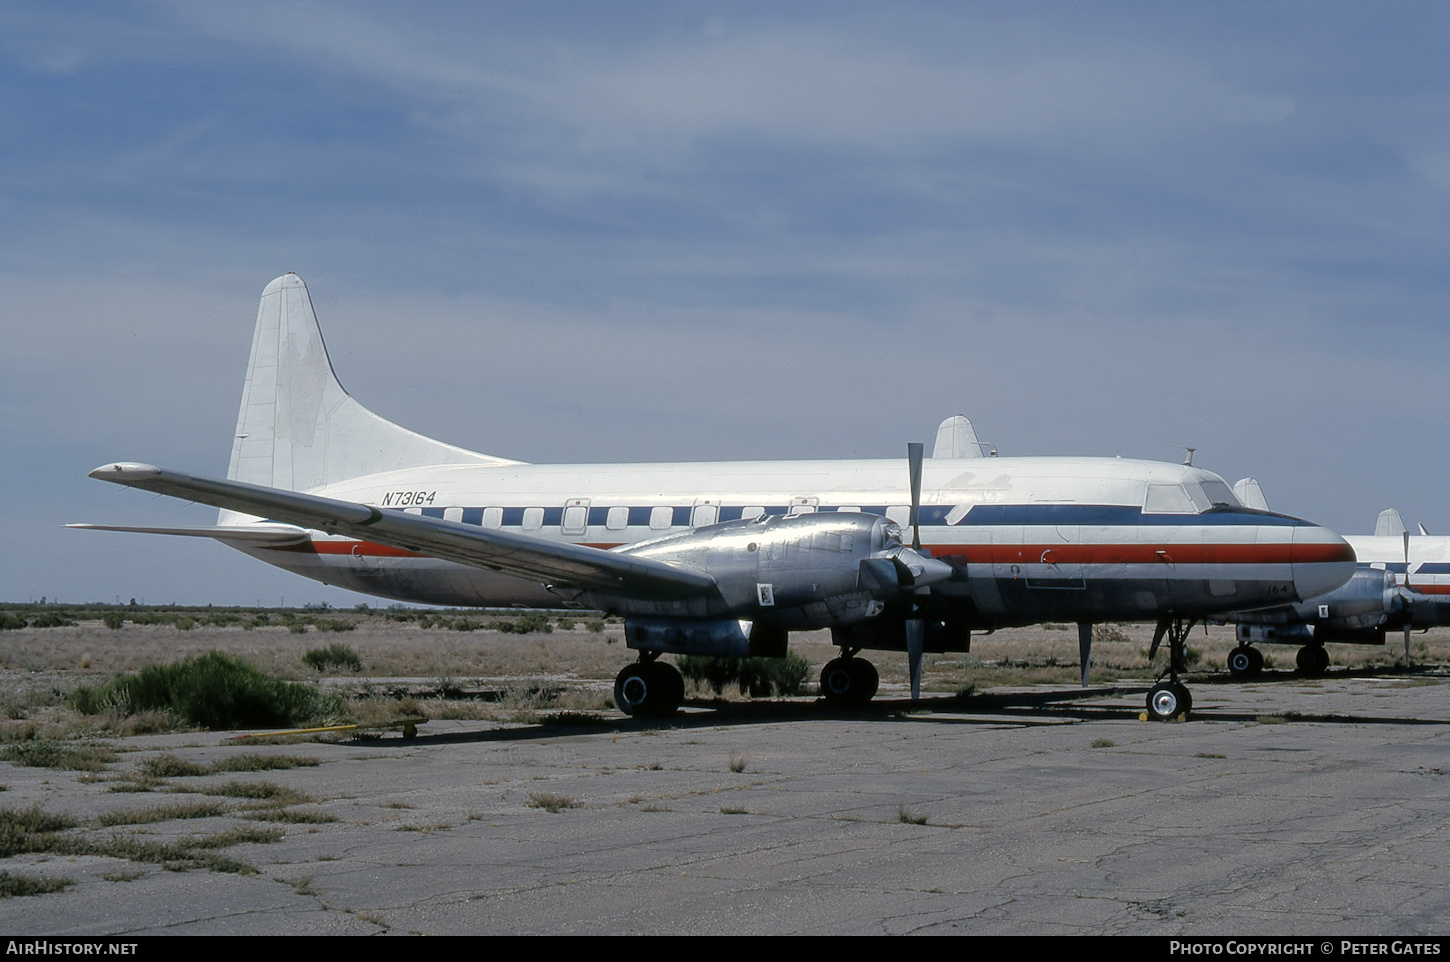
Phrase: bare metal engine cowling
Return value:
(773, 575)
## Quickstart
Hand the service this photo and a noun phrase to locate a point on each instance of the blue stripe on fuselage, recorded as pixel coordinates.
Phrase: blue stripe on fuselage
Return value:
(1103, 515)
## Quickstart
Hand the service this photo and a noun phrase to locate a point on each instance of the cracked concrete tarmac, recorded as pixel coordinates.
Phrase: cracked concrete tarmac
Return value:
(1060, 815)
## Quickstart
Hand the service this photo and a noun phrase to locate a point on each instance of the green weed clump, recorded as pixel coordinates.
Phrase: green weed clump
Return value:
(29, 829)
(756, 677)
(19, 885)
(524, 625)
(214, 690)
(52, 620)
(335, 655)
(45, 753)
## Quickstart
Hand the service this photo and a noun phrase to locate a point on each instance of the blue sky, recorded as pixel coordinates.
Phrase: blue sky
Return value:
(611, 232)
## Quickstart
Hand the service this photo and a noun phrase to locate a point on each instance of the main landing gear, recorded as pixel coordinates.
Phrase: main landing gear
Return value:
(1312, 660)
(1248, 662)
(1171, 699)
(848, 681)
(649, 688)
(1245, 662)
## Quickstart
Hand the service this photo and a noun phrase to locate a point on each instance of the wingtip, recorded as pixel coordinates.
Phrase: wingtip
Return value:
(124, 471)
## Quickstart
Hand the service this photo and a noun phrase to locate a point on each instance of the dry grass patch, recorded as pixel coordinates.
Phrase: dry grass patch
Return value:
(288, 816)
(551, 802)
(269, 792)
(906, 816)
(163, 813)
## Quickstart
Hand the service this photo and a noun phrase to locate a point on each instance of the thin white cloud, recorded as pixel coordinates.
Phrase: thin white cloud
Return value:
(592, 113)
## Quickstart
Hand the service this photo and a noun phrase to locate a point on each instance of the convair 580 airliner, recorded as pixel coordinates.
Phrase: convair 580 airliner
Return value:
(728, 558)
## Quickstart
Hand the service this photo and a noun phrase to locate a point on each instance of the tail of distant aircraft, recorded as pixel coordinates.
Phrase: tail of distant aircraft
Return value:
(298, 429)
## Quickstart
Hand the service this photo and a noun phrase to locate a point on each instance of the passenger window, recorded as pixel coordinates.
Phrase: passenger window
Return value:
(452, 514)
(618, 518)
(751, 512)
(533, 518)
(704, 514)
(492, 517)
(660, 517)
(900, 513)
(576, 516)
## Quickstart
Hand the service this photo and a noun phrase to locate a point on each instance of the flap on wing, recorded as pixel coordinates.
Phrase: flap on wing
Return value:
(272, 534)
(548, 562)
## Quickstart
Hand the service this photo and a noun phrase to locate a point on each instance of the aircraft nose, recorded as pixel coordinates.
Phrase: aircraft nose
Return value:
(1321, 561)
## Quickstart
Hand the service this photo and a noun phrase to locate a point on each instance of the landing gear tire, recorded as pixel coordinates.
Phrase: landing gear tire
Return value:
(649, 689)
(849, 682)
(1168, 700)
(1312, 660)
(1245, 662)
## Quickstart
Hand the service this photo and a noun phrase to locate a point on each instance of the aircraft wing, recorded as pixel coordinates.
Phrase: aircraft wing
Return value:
(548, 562)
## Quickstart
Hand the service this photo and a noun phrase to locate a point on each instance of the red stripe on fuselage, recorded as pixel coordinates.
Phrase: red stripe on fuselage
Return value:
(1098, 554)
(1088, 554)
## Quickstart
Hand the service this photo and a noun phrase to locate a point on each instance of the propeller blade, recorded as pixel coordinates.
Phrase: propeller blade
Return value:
(1085, 649)
(914, 452)
(1407, 560)
(915, 644)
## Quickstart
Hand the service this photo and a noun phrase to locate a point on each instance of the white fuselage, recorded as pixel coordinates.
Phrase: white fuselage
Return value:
(1032, 539)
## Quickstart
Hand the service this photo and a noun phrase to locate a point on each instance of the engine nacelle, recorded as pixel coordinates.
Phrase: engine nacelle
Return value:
(787, 573)
(1364, 603)
(722, 638)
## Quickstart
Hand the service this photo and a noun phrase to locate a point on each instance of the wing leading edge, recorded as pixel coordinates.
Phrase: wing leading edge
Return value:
(548, 562)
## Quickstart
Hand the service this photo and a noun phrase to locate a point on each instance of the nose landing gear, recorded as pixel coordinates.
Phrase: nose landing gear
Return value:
(1171, 699)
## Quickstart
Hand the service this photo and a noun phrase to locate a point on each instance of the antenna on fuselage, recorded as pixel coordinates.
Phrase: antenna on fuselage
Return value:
(1187, 457)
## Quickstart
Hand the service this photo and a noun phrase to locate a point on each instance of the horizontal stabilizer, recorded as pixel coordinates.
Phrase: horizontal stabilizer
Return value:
(547, 562)
(273, 534)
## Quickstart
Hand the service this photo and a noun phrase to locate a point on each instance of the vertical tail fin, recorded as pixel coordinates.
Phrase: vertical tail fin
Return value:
(955, 438)
(298, 429)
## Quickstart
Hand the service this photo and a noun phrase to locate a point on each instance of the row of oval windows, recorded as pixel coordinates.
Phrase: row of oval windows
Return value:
(576, 517)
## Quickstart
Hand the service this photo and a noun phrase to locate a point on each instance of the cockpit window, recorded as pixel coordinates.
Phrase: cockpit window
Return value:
(1192, 498)
(1218, 492)
(1168, 499)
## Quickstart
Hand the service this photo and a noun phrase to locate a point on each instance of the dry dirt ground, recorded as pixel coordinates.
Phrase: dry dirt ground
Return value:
(1286, 805)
